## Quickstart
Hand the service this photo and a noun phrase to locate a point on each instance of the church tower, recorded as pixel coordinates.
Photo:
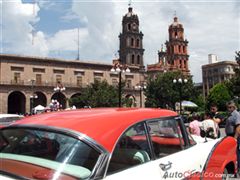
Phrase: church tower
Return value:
(131, 46)
(177, 54)
(175, 57)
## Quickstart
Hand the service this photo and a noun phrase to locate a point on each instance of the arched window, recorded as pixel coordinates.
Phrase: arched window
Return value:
(128, 41)
(176, 35)
(138, 59)
(184, 49)
(129, 26)
(179, 49)
(138, 43)
(132, 42)
(133, 59)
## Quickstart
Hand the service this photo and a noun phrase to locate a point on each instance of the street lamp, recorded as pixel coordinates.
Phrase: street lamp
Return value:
(58, 89)
(140, 88)
(180, 81)
(117, 67)
(33, 96)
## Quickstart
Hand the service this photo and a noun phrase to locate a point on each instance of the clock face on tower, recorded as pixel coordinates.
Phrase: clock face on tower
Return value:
(134, 27)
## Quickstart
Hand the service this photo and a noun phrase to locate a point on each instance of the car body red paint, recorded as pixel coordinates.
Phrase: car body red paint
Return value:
(103, 130)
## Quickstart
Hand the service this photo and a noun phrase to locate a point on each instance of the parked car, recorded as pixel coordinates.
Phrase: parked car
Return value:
(6, 119)
(111, 143)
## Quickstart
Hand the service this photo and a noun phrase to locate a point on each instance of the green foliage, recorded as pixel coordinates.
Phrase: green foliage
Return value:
(97, 94)
(162, 92)
(237, 57)
(128, 102)
(233, 84)
(219, 95)
(236, 80)
(200, 102)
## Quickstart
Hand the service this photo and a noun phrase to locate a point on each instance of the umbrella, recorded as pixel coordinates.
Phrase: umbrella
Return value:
(39, 108)
(188, 104)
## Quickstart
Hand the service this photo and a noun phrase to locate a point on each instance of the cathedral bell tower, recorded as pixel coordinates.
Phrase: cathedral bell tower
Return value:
(131, 46)
(177, 55)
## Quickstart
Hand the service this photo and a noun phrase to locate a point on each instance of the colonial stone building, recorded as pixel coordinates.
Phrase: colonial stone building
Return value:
(176, 55)
(22, 78)
(216, 72)
(29, 81)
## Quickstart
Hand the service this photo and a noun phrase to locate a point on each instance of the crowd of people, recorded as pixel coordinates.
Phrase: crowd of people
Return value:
(210, 125)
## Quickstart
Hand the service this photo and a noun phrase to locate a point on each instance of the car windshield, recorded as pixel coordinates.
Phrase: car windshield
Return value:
(40, 154)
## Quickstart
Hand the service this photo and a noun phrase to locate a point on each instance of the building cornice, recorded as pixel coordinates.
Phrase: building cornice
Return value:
(48, 60)
(220, 63)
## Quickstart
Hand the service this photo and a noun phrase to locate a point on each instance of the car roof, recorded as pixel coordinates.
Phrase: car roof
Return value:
(104, 125)
(9, 115)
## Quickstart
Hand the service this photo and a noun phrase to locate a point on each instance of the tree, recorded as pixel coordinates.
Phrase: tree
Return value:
(162, 92)
(97, 94)
(233, 84)
(199, 100)
(237, 57)
(219, 95)
(236, 79)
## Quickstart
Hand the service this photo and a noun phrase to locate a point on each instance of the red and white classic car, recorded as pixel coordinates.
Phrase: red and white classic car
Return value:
(111, 143)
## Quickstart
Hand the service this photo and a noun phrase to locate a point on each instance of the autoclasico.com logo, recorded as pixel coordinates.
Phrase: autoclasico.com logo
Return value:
(188, 174)
(193, 173)
(179, 175)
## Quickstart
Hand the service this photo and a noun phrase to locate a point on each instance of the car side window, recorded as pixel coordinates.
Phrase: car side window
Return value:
(166, 137)
(132, 149)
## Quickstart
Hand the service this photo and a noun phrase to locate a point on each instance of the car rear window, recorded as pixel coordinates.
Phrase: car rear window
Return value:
(37, 152)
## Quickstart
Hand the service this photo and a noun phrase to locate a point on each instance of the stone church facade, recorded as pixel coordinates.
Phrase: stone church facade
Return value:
(175, 57)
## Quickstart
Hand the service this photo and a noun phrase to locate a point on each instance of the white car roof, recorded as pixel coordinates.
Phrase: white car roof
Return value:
(9, 115)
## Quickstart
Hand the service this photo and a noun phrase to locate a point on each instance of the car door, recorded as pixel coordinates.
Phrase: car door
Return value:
(132, 156)
(174, 154)
(155, 150)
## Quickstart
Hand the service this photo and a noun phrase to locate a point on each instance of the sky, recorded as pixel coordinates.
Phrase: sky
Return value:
(49, 28)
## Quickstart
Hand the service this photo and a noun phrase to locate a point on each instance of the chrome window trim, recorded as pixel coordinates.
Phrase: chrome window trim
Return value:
(144, 121)
(104, 154)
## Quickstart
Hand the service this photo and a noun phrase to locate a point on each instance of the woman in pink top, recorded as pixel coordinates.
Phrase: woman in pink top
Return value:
(194, 125)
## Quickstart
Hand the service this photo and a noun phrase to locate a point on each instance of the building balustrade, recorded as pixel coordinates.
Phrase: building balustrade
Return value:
(17, 82)
(51, 84)
(27, 83)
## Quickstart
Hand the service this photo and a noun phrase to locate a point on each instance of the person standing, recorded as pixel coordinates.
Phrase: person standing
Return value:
(216, 116)
(194, 125)
(232, 127)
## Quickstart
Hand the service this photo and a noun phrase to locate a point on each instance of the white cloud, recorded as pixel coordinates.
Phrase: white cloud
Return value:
(209, 27)
(70, 16)
(67, 40)
(18, 24)
(18, 21)
(46, 4)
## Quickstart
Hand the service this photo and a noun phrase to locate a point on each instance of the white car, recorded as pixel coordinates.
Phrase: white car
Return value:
(111, 144)
(6, 119)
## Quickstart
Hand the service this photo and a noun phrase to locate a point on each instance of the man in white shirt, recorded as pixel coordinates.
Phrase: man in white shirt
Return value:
(209, 126)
